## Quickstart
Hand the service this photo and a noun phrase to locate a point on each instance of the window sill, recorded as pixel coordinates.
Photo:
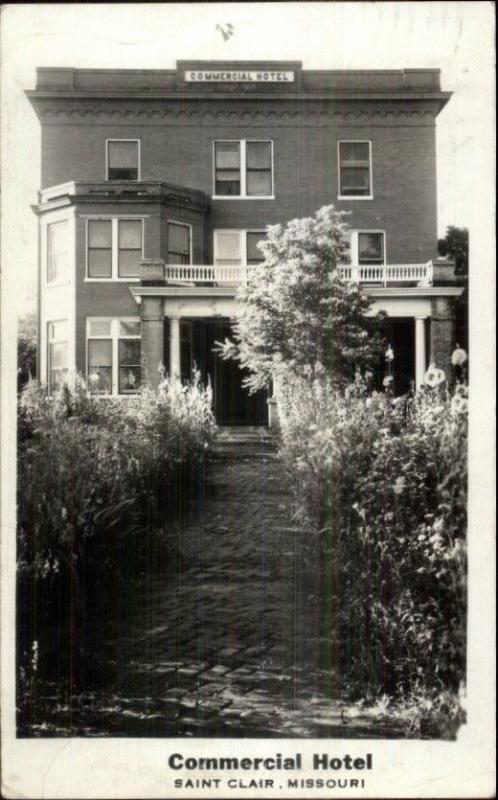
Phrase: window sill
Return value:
(349, 198)
(241, 197)
(55, 284)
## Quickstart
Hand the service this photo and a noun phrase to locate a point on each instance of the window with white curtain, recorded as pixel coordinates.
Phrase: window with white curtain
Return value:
(237, 247)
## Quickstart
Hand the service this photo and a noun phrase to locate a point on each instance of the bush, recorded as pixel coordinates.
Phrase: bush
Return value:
(99, 481)
(86, 463)
(382, 490)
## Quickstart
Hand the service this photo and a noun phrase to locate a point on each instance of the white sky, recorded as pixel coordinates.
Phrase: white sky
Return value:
(457, 37)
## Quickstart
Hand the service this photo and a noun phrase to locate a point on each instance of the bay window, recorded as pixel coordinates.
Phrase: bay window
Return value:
(179, 243)
(114, 248)
(57, 340)
(113, 356)
(57, 252)
(129, 247)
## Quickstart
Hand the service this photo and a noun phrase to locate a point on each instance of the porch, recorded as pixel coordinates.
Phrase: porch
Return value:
(187, 308)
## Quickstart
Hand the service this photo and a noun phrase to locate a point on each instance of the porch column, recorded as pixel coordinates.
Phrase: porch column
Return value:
(420, 360)
(152, 331)
(174, 346)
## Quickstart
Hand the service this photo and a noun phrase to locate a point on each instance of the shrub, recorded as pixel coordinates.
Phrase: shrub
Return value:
(98, 479)
(382, 489)
(85, 463)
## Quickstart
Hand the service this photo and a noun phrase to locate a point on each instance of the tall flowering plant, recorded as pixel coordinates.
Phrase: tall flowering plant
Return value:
(381, 488)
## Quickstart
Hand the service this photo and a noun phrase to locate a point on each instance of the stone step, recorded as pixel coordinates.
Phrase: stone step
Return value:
(242, 436)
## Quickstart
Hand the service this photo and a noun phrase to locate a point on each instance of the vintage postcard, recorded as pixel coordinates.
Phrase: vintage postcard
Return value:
(247, 400)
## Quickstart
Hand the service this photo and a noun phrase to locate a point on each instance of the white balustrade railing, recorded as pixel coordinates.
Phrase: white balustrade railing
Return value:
(206, 273)
(385, 274)
(382, 274)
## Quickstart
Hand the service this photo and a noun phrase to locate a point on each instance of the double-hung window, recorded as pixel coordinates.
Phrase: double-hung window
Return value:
(114, 249)
(123, 159)
(179, 243)
(371, 247)
(57, 252)
(368, 248)
(57, 340)
(243, 168)
(355, 170)
(113, 356)
(237, 247)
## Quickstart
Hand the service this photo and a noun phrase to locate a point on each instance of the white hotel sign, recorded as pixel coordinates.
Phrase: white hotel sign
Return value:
(238, 76)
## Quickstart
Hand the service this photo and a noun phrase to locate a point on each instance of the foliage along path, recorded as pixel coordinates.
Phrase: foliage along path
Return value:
(228, 645)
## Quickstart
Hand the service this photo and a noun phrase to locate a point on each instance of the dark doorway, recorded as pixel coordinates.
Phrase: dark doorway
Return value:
(233, 405)
(400, 334)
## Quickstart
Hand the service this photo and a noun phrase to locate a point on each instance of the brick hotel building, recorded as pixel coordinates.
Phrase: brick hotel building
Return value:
(156, 186)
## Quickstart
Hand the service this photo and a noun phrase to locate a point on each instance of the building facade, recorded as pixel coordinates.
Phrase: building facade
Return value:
(156, 186)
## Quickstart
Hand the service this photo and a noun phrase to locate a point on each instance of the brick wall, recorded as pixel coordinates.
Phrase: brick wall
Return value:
(179, 149)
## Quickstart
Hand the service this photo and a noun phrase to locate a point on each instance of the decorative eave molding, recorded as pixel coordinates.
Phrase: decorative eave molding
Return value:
(313, 116)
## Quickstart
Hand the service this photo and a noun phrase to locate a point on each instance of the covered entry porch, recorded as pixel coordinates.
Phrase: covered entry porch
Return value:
(180, 329)
(181, 323)
(190, 343)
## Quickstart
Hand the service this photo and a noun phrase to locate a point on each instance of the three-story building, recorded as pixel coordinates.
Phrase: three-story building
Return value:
(156, 186)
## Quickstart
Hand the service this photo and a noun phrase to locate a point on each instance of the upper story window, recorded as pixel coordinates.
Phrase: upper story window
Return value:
(123, 159)
(237, 247)
(57, 252)
(57, 340)
(243, 169)
(114, 249)
(179, 243)
(368, 248)
(129, 247)
(355, 170)
(253, 254)
(113, 355)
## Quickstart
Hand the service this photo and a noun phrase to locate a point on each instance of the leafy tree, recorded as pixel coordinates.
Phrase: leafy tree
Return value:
(296, 312)
(456, 245)
(26, 349)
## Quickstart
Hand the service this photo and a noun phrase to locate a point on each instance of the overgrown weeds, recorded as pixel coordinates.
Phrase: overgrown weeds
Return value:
(100, 482)
(382, 488)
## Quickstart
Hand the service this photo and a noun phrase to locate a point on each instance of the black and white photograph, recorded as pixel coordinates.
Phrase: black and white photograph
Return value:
(247, 413)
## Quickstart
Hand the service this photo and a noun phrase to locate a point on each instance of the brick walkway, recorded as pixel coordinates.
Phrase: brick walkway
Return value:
(229, 645)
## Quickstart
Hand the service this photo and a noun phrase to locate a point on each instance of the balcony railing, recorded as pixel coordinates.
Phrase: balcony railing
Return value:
(386, 274)
(382, 275)
(206, 273)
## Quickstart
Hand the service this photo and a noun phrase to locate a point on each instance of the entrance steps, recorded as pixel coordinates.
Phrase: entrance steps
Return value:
(235, 439)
